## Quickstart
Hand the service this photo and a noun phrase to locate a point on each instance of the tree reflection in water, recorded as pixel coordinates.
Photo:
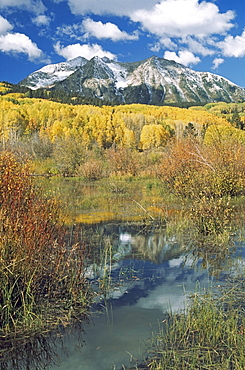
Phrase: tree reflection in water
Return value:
(145, 260)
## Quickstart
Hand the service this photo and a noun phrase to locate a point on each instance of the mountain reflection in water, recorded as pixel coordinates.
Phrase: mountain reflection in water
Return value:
(149, 275)
(146, 275)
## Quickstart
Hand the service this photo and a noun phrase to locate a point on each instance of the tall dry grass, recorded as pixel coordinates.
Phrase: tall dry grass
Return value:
(41, 274)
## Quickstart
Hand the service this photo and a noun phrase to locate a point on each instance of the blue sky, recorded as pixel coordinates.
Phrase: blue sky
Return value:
(203, 35)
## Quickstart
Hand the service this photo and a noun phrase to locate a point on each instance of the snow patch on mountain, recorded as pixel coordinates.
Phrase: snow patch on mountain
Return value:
(53, 73)
(150, 81)
(119, 74)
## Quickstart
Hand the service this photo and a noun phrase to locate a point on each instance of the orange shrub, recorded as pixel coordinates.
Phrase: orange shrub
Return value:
(123, 161)
(91, 170)
(194, 170)
(36, 264)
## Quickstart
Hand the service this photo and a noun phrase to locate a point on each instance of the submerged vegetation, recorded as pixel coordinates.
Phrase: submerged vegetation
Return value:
(183, 169)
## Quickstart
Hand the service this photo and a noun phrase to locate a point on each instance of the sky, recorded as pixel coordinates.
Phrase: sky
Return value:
(203, 35)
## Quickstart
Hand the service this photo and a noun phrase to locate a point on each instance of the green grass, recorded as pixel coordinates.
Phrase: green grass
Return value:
(209, 335)
(121, 198)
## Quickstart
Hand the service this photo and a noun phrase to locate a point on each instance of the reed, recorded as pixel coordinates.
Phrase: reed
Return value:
(209, 335)
(41, 273)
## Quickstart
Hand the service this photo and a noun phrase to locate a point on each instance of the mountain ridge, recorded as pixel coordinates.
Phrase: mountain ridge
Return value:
(150, 81)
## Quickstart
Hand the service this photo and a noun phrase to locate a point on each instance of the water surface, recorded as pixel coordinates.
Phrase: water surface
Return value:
(149, 276)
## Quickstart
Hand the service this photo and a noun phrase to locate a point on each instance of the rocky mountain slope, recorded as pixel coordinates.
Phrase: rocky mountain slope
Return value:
(150, 81)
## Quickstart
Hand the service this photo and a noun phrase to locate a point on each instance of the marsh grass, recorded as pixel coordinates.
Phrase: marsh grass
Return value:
(106, 259)
(115, 198)
(41, 271)
(209, 335)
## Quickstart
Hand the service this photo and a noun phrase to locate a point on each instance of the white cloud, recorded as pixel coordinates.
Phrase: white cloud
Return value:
(217, 62)
(35, 6)
(86, 50)
(70, 30)
(199, 47)
(7, 3)
(41, 20)
(5, 26)
(16, 43)
(184, 57)
(182, 18)
(19, 43)
(233, 46)
(106, 30)
(168, 43)
(155, 48)
(192, 25)
(90, 28)
(117, 7)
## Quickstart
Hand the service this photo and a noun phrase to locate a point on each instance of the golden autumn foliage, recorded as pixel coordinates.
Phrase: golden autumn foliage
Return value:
(123, 161)
(205, 177)
(153, 136)
(218, 133)
(65, 134)
(4, 87)
(104, 126)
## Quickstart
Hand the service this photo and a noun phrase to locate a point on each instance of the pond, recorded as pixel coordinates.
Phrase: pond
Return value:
(139, 273)
(143, 276)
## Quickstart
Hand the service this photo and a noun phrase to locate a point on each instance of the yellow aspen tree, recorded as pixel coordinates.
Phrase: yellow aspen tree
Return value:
(153, 136)
(223, 133)
(128, 139)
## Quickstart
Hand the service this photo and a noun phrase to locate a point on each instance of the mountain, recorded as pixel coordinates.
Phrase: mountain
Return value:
(150, 81)
(52, 73)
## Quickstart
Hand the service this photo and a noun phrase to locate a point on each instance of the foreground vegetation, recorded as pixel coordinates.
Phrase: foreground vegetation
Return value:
(195, 156)
(209, 335)
(41, 270)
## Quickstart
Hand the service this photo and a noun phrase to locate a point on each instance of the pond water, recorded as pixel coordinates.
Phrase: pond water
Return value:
(145, 275)
(140, 275)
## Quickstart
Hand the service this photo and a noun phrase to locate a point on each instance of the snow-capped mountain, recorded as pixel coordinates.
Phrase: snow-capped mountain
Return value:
(150, 81)
(53, 73)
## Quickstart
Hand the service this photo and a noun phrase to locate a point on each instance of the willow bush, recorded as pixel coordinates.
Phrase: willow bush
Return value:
(41, 274)
(193, 170)
(205, 178)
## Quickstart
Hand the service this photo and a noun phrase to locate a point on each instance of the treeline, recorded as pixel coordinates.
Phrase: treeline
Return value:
(67, 97)
(59, 96)
(233, 112)
(68, 135)
(134, 126)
